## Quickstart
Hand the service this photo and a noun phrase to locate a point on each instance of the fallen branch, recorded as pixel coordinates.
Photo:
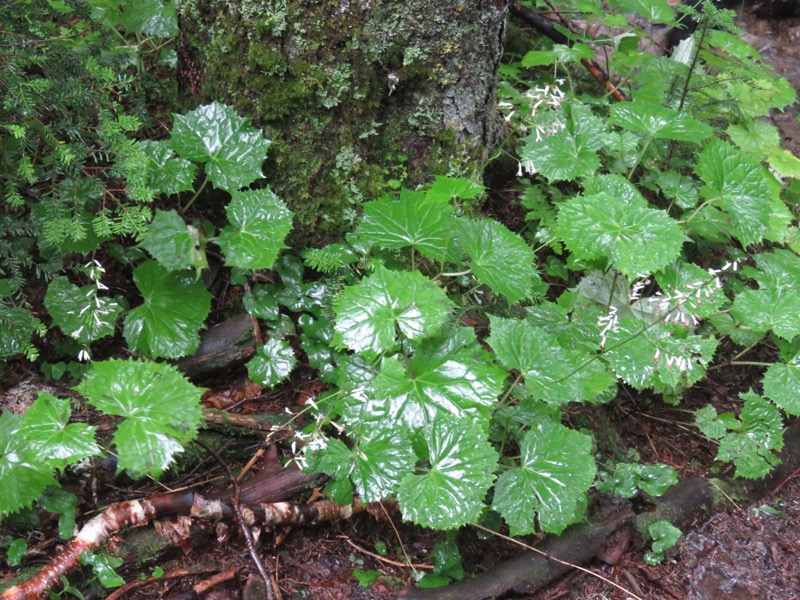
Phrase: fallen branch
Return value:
(222, 347)
(123, 515)
(545, 27)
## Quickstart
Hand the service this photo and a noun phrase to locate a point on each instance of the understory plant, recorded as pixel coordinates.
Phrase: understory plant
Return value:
(452, 349)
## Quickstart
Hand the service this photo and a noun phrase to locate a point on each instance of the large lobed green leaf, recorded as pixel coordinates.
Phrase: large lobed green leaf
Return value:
(551, 373)
(160, 408)
(259, 224)
(80, 312)
(571, 152)
(425, 225)
(769, 309)
(782, 385)
(462, 383)
(381, 458)
(369, 314)
(272, 363)
(214, 134)
(34, 445)
(167, 174)
(498, 257)
(750, 441)
(173, 243)
(556, 470)
(175, 305)
(744, 188)
(450, 491)
(646, 356)
(658, 122)
(635, 240)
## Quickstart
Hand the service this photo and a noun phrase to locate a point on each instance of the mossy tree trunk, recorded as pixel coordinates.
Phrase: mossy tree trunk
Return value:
(358, 96)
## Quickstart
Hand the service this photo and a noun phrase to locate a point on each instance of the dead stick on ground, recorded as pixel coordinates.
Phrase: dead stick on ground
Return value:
(556, 559)
(383, 559)
(120, 593)
(237, 510)
(136, 513)
(213, 581)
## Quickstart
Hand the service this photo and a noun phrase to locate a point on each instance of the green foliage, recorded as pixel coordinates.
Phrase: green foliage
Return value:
(665, 535)
(552, 455)
(628, 478)
(450, 491)
(259, 223)
(370, 314)
(103, 565)
(272, 363)
(33, 445)
(80, 312)
(749, 441)
(640, 214)
(214, 135)
(637, 240)
(159, 407)
(175, 306)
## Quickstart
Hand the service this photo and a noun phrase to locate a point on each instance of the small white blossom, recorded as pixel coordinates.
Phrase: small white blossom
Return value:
(636, 290)
(609, 322)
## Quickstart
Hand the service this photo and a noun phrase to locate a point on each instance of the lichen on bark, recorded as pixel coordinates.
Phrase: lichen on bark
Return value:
(358, 96)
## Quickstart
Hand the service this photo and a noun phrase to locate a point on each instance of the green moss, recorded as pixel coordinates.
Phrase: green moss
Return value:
(319, 78)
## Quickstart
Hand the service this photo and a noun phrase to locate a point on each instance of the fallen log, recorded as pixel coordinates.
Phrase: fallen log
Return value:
(524, 572)
(222, 347)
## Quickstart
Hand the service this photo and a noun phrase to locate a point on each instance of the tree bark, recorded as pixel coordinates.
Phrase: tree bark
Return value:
(355, 94)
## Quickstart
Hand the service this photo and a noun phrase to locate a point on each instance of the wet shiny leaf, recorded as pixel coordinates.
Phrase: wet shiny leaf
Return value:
(498, 258)
(401, 222)
(556, 470)
(160, 408)
(214, 134)
(173, 243)
(369, 315)
(167, 324)
(782, 385)
(637, 240)
(81, 313)
(272, 363)
(551, 372)
(259, 225)
(451, 491)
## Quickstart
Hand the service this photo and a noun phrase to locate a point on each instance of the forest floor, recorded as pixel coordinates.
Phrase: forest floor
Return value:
(747, 552)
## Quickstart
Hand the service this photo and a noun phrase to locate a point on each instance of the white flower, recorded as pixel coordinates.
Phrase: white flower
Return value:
(610, 322)
(83, 355)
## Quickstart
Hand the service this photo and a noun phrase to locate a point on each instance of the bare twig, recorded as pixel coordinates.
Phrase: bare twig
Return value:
(237, 510)
(388, 561)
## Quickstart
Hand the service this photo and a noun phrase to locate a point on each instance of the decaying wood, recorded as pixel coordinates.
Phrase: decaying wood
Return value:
(222, 347)
(124, 515)
(529, 571)
(684, 504)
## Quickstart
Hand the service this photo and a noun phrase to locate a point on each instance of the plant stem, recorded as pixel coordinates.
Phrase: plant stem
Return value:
(639, 157)
(698, 209)
(196, 194)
